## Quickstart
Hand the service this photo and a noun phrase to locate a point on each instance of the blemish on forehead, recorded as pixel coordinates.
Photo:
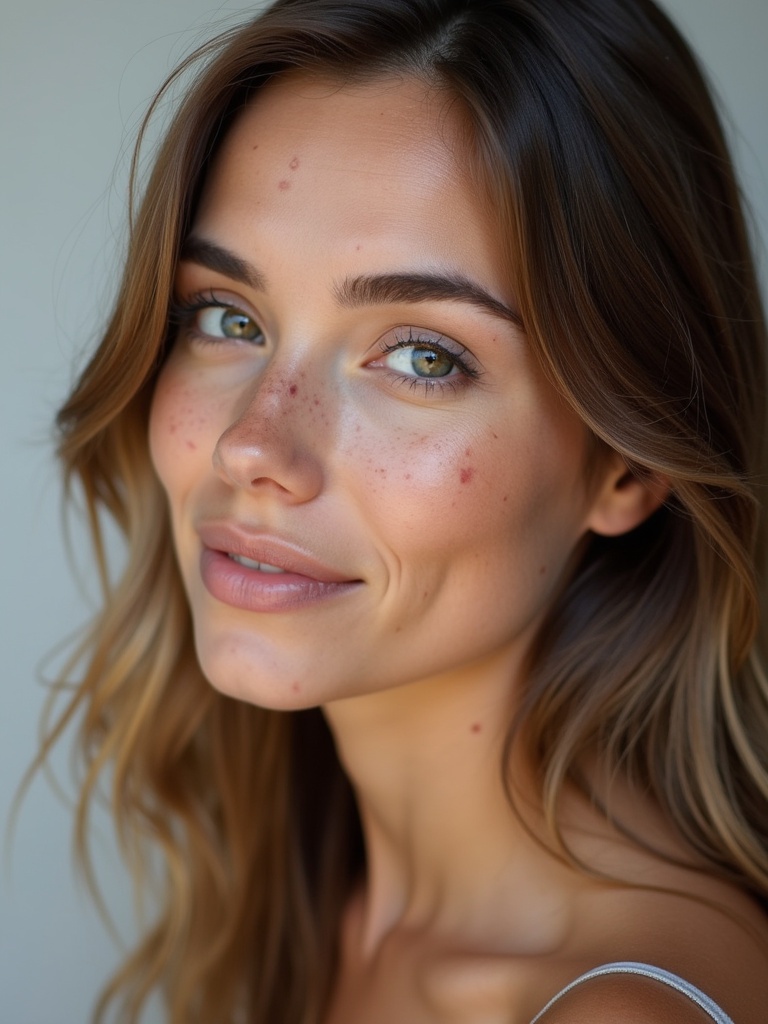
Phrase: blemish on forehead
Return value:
(283, 185)
(466, 474)
(294, 163)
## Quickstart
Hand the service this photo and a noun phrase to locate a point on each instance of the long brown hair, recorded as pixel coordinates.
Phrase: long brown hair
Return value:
(599, 147)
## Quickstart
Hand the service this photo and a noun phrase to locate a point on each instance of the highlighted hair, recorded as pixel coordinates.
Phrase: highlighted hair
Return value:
(597, 142)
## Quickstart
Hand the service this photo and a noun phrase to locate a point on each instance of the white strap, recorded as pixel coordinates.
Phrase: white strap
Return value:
(647, 971)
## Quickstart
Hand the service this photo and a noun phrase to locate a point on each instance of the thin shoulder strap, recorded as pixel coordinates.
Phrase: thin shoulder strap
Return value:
(647, 971)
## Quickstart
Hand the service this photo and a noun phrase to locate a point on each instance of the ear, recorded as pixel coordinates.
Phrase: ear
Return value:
(623, 500)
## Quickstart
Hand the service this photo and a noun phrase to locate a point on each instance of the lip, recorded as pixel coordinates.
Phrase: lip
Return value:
(305, 580)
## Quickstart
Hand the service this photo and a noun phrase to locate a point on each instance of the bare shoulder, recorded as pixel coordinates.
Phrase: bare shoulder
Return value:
(625, 999)
(702, 954)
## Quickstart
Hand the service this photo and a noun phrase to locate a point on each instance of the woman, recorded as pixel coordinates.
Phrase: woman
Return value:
(432, 408)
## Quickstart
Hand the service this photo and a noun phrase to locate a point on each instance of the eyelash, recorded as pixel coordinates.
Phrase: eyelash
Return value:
(429, 386)
(181, 314)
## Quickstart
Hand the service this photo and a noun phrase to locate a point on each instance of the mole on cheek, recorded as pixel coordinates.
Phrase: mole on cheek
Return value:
(466, 474)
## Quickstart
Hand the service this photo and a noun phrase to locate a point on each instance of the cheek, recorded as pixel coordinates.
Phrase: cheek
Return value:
(179, 428)
(425, 496)
(508, 494)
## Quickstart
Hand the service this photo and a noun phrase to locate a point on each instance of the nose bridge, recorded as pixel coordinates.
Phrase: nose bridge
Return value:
(276, 432)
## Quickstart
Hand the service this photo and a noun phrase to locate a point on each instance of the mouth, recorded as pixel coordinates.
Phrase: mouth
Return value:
(261, 572)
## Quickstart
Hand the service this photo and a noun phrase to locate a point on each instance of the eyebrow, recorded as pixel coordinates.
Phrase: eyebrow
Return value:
(419, 287)
(365, 290)
(222, 261)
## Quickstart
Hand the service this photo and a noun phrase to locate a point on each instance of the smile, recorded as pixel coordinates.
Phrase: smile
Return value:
(259, 572)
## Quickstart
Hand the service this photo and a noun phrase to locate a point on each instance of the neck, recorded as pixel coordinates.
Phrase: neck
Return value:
(443, 845)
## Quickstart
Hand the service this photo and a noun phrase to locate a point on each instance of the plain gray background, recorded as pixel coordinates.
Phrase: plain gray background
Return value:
(75, 77)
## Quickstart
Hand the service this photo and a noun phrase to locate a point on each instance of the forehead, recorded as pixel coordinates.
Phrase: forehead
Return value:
(385, 161)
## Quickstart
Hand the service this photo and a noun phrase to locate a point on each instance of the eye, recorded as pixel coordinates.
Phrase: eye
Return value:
(207, 319)
(227, 322)
(426, 361)
(421, 361)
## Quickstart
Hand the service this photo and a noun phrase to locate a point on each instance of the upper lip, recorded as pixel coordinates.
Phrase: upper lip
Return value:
(238, 539)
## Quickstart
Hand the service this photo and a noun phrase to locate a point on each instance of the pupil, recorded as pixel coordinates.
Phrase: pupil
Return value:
(428, 363)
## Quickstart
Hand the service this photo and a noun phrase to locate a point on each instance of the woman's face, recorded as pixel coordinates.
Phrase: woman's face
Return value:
(370, 482)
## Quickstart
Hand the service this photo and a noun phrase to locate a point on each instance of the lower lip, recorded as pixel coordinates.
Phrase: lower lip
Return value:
(256, 591)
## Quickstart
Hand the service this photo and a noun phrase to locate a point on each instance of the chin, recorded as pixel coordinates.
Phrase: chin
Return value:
(264, 681)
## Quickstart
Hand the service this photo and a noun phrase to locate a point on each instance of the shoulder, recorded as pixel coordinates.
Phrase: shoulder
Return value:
(629, 997)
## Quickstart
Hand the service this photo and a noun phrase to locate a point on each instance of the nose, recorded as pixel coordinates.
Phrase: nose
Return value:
(272, 443)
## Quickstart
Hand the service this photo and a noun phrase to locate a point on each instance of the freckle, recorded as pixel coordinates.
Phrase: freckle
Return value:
(294, 163)
(295, 687)
(506, 497)
(495, 437)
(357, 248)
(192, 446)
(477, 727)
(542, 570)
(173, 428)
(399, 629)
(425, 594)
(283, 185)
(407, 476)
(316, 401)
(293, 390)
(468, 452)
(466, 474)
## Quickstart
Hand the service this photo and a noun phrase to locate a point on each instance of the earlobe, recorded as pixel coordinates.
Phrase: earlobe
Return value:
(624, 499)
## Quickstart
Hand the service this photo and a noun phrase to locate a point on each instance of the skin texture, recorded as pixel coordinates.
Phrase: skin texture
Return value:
(458, 507)
(453, 507)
